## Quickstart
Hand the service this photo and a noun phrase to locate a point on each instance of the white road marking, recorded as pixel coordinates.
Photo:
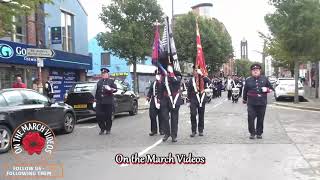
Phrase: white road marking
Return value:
(145, 151)
(160, 140)
(87, 127)
(294, 109)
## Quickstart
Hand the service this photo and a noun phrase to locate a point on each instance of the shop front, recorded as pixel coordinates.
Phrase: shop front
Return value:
(64, 68)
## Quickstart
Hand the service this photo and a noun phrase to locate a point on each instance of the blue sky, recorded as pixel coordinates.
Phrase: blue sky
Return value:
(242, 18)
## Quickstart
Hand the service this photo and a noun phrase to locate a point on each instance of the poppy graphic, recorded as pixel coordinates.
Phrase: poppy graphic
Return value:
(33, 143)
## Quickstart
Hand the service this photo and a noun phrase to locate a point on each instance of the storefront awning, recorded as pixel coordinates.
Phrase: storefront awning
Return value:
(16, 53)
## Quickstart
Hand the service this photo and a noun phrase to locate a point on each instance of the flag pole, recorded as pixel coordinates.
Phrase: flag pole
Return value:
(169, 44)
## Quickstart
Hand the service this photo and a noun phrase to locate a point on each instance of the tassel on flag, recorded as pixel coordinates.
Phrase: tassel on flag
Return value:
(200, 61)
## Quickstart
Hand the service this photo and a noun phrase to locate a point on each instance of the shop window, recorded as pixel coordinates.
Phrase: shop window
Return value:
(105, 59)
(67, 31)
(19, 33)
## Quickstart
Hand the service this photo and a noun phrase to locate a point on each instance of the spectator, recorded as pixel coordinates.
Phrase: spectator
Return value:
(19, 83)
(35, 84)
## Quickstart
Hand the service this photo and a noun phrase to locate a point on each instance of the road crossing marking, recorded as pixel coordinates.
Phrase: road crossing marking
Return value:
(145, 151)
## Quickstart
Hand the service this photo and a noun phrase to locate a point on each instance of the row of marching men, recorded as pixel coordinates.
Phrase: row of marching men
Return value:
(165, 100)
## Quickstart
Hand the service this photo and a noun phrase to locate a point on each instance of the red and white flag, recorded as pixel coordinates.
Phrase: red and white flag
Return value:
(200, 61)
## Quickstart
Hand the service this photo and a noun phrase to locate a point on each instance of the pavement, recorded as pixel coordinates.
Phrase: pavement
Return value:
(142, 102)
(289, 149)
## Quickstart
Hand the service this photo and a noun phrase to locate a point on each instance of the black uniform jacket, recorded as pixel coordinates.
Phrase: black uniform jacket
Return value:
(252, 92)
(174, 85)
(154, 91)
(104, 96)
(192, 97)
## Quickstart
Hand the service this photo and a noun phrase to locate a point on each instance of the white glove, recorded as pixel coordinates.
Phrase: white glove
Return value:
(158, 77)
(107, 87)
(199, 72)
(264, 89)
(170, 69)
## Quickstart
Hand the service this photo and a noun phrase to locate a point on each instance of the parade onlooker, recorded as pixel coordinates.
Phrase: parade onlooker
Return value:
(19, 83)
(35, 84)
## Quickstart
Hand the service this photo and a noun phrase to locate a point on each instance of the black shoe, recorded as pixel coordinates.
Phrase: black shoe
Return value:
(174, 139)
(108, 132)
(252, 136)
(152, 133)
(161, 133)
(200, 133)
(259, 137)
(165, 138)
(193, 134)
(101, 132)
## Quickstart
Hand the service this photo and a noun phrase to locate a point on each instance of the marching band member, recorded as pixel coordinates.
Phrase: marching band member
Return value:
(197, 100)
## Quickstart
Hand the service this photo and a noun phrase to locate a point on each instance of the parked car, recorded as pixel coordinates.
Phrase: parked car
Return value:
(285, 87)
(21, 105)
(81, 97)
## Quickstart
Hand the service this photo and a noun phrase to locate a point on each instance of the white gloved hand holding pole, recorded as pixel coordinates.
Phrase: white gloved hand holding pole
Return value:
(199, 72)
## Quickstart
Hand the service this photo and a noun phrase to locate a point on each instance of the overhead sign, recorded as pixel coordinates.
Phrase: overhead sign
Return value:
(16, 53)
(56, 37)
(44, 53)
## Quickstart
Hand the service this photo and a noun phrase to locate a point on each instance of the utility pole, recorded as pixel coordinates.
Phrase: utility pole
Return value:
(264, 56)
(172, 9)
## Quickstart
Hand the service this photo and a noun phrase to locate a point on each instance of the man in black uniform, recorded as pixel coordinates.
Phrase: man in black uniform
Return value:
(154, 110)
(255, 96)
(197, 101)
(171, 104)
(48, 89)
(105, 100)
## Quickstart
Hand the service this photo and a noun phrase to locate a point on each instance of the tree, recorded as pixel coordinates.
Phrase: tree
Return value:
(215, 39)
(243, 67)
(295, 29)
(129, 31)
(13, 8)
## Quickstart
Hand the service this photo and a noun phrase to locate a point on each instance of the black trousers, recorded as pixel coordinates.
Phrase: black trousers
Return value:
(229, 94)
(153, 114)
(194, 110)
(240, 93)
(170, 120)
(253, 113)
(104, 116)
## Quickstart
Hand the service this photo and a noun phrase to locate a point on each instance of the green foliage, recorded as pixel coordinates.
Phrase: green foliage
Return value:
(16, 8)
(130, 28)
(216, 41)
(295, 29)
(243, 67)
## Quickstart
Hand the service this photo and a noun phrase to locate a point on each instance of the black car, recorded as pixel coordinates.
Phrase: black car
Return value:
(81, 98)
(21, 105)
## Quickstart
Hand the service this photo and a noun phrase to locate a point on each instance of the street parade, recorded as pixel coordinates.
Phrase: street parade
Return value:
(159, 89)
